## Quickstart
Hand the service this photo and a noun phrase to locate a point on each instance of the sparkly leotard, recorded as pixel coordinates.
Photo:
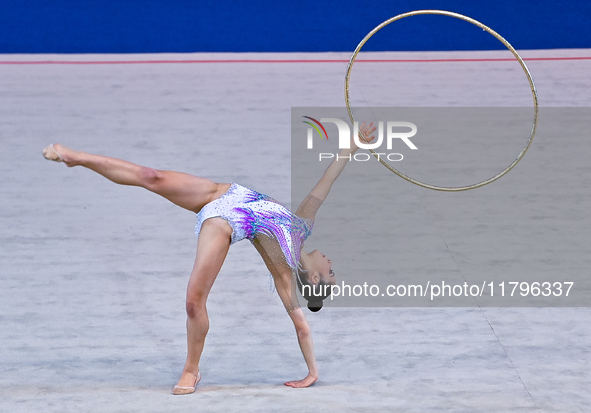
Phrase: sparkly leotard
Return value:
(265, 222)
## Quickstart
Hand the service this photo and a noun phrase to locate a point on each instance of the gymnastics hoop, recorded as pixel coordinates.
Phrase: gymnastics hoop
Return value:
(482, 26)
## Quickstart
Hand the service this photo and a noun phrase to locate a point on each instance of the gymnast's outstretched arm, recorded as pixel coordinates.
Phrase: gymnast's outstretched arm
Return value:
(333, 171)
(282, 276)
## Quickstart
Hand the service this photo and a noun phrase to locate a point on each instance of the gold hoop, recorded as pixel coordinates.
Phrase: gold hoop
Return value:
(489, 30)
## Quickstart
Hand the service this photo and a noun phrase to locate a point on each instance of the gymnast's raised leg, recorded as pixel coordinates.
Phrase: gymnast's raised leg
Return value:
(187, 191)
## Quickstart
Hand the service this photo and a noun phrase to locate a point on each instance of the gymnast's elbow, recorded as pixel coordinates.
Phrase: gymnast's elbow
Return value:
(303, 332)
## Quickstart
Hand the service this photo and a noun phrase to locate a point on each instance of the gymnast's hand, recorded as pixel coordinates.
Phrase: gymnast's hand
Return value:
(365, 135)
(308, 381)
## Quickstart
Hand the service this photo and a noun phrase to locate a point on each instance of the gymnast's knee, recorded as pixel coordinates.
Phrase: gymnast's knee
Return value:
(195, 308)
(150, 178)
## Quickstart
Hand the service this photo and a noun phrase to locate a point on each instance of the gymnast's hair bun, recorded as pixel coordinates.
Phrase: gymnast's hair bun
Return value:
(314, 306)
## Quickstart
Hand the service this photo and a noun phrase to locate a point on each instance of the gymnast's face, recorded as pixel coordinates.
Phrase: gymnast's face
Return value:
(321, 267)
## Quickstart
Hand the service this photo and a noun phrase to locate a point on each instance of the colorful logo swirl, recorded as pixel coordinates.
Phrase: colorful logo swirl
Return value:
(316, 127)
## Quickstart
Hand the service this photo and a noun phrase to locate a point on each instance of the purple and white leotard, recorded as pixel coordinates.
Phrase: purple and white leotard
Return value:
(252, 215)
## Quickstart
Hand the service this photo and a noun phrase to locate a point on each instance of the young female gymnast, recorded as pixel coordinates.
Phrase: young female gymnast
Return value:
(227, 213)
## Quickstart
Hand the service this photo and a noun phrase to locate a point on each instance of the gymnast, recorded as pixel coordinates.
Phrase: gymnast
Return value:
(227, 213)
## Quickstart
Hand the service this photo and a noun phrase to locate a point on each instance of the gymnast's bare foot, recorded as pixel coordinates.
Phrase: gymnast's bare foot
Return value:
(308, 381)
(188, 379)
(59, 153)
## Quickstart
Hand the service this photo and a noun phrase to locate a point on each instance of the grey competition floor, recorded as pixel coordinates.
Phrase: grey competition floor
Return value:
(93, 275)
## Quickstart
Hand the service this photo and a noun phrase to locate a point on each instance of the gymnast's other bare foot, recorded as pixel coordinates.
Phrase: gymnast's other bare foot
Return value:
(187, 383)
(308, 381)
(59, 153)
